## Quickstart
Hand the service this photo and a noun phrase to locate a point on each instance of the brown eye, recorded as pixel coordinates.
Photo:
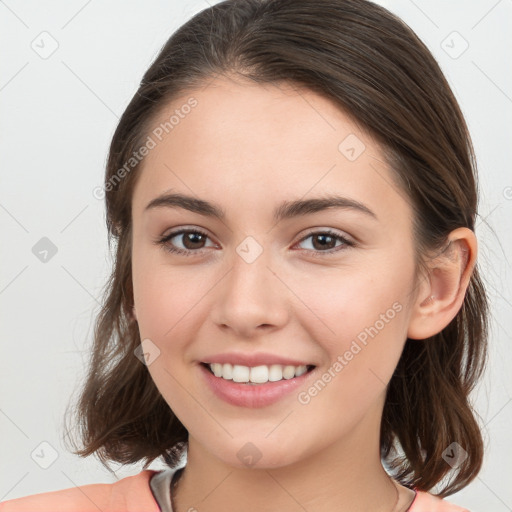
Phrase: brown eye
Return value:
(322, 241)
(191, 241)
(327, 242)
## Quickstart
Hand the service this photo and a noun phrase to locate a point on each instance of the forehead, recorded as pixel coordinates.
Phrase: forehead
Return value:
(278, 118)
(262, 142)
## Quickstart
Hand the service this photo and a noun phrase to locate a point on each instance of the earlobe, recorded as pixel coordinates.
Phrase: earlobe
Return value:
(441, 298)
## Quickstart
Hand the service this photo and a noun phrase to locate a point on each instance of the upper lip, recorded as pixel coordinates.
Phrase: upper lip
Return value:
(254, 359)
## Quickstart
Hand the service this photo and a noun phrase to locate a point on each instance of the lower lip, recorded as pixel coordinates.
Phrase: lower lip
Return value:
(257, 395)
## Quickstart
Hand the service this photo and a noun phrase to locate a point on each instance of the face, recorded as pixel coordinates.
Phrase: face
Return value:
(323, 286)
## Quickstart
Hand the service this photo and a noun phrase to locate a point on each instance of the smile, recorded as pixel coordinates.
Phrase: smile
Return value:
(257, 374)
(254, 386)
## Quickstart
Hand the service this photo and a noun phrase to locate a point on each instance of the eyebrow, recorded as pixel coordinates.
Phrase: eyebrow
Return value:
(286, 210)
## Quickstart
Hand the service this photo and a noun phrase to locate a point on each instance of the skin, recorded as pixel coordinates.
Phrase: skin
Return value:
(248, 147)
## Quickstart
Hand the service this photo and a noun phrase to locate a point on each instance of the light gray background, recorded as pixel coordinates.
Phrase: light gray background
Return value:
(58, 114)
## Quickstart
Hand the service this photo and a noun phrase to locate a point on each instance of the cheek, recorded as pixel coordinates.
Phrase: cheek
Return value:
(168, 305)
(340, 304)
(360, 320)
(165, 297)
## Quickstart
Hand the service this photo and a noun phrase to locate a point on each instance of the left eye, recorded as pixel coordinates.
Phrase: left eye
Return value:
(193, 242)
(322, 242)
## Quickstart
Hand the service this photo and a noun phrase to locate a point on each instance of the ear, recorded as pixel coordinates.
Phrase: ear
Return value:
(440, 296)
(134, 313)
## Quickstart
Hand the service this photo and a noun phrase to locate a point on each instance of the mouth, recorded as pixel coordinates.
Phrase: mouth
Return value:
(256, 375)
(254, 386)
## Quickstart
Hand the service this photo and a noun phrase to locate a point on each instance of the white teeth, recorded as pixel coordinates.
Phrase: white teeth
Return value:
(216, 369)
(256, 374)
(289, 372)
(227, 371)
(240, 373)
(259, 374)
(301, 370)
(275, 372)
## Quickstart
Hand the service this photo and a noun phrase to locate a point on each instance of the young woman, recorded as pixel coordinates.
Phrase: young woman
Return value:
(295, 308)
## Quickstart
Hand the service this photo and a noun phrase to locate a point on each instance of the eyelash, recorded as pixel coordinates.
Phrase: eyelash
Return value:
(164, 242)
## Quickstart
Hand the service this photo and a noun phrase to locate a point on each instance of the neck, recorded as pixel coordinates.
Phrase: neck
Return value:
(347, 476)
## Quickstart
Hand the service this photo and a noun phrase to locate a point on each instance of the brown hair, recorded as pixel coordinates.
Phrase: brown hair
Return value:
(374, 67)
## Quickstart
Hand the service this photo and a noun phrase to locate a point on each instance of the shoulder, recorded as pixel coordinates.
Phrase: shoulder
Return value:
(130, 494)
(426, 502)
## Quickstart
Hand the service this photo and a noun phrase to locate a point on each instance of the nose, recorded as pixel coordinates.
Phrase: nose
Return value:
(251, 298)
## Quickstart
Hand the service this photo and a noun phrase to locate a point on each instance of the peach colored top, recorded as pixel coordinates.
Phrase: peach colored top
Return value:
(135, 494)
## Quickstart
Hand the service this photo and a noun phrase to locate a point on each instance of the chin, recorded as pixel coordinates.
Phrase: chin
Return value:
(256, 452)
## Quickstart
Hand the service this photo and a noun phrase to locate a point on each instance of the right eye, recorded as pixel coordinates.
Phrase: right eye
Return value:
(190, 238)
